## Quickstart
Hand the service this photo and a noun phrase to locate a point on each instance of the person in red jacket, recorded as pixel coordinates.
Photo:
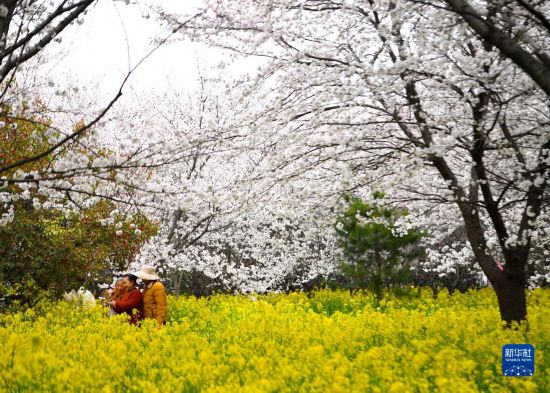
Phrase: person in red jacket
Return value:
(131, 301)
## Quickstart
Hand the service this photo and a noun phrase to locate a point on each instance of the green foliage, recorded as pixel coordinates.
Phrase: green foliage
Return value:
(377, 254)
(57, 252)
(22, 295)
(24, 136)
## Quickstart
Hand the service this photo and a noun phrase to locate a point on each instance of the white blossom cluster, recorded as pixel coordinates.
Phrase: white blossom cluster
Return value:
(245, 177)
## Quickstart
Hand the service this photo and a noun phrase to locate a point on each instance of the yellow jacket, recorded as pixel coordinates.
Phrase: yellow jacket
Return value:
(154, 303)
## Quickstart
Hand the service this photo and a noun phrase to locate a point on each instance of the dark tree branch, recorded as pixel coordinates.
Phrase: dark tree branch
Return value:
(508, 46)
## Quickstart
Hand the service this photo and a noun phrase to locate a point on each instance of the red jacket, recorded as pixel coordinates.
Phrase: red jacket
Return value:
(129, 302)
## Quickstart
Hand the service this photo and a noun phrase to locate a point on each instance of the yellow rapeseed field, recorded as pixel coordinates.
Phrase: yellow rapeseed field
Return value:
(276, 343)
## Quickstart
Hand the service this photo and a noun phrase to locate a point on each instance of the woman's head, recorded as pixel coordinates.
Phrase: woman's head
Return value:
(129, 281)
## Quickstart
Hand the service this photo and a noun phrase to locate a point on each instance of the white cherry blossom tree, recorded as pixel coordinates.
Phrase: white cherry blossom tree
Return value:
(403, 95)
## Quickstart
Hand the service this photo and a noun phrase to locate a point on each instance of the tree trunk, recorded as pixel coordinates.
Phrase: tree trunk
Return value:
(512, 302)
(510, 290)
(177, 283)
(509, 284)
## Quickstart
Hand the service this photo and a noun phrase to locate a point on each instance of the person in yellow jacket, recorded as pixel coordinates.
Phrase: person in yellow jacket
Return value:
(154, 295)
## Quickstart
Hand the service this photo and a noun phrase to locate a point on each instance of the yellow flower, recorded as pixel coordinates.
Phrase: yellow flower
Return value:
(330, 341)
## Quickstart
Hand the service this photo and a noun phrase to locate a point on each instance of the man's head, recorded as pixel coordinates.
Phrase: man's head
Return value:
(130, 281)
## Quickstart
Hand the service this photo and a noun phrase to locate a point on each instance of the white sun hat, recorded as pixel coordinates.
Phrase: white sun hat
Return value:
(147, 272)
